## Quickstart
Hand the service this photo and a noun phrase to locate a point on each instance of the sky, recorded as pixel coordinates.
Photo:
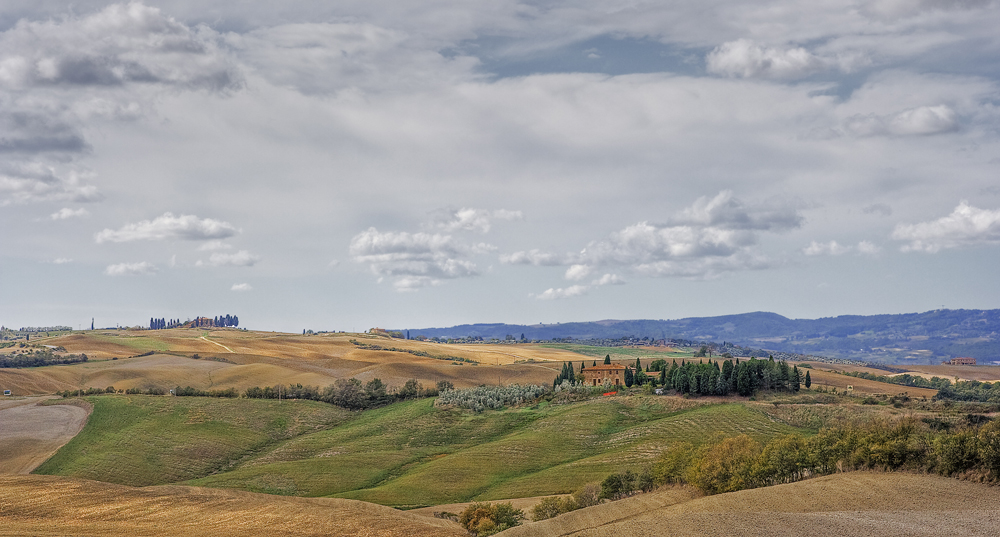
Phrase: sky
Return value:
(408, 164)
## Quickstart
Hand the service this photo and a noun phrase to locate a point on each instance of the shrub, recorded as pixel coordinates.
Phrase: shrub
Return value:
(487, 519)
(483, 398)
(552, 506)
(588, 495)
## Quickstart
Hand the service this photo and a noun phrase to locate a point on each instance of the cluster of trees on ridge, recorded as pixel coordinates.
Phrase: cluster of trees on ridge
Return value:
(705, 378)
(220, 321)
(39, 358)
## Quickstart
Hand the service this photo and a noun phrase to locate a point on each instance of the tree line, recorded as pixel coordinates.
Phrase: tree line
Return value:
(719, 377)
(39, 358)
(350, 393)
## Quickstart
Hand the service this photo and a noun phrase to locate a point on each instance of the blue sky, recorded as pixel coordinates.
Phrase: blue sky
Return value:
(338, 166)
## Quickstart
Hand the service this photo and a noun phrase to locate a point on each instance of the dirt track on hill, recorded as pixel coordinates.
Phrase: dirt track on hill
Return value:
(30, 433)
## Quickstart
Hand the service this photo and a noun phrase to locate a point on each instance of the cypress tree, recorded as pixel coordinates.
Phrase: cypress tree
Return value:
(582, 366)
(809, 381)
(796, 378)
(629, 379)
(607, 360)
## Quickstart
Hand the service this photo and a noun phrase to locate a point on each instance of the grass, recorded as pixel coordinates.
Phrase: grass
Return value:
(141, 440)
(413, 454)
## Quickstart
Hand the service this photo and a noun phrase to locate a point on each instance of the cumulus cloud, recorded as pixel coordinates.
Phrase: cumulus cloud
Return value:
(609, 279)
(825, 248)
(726, 211)
(920, 121)
(65, 213)
(466, 219)
(131, 269)
(713, 236)
(578, 272)
(965, 226)
(240, 287)
(414, 260)
(242, 258)
(168, 226)
(122, 44)
(745, 58)
(568, 292)
(62, 261)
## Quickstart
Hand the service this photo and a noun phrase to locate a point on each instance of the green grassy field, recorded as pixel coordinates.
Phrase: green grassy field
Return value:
(141, 440)
(407, 454)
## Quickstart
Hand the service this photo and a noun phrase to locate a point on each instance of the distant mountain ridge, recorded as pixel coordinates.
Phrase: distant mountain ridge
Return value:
(926, 337)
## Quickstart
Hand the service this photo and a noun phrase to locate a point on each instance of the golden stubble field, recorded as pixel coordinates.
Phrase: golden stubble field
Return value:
(856, 503)
(46, 505)
(230, 358)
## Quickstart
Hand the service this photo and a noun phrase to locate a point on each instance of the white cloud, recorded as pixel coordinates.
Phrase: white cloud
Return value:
(62, 261)
(747, 59)
(212, 246)
(168, 226)
(712, 237)
(726, 211)
(533, 257)
(578, 272)
(965, 226)
(923, 120)
(414, 259)
(64, 213)
(568, 292)
(242, 258)
(825, 248)
(122, 44)
(467, 219)
(608, 279)
(240, 287)
(131, 269)
(33, 182)
(868, 248)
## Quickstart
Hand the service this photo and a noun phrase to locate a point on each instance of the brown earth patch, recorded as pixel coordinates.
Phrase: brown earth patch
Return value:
(31, 433)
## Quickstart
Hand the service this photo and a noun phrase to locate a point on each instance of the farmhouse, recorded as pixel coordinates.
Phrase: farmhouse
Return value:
(614, 374)
(962, 361)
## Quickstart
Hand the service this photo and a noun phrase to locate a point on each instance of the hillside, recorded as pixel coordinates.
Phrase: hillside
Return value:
(925, 338)
(43, 505)
(855, 503)
(406, 454)
(226, 358)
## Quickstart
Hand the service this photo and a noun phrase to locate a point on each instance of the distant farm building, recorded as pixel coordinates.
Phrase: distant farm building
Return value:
(961, 361)
(613, 374)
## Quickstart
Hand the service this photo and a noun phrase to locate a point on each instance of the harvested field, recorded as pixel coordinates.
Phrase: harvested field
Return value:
(237, 359)
(43, 505)
(30, 433)
(829, 379)
(856, 503)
